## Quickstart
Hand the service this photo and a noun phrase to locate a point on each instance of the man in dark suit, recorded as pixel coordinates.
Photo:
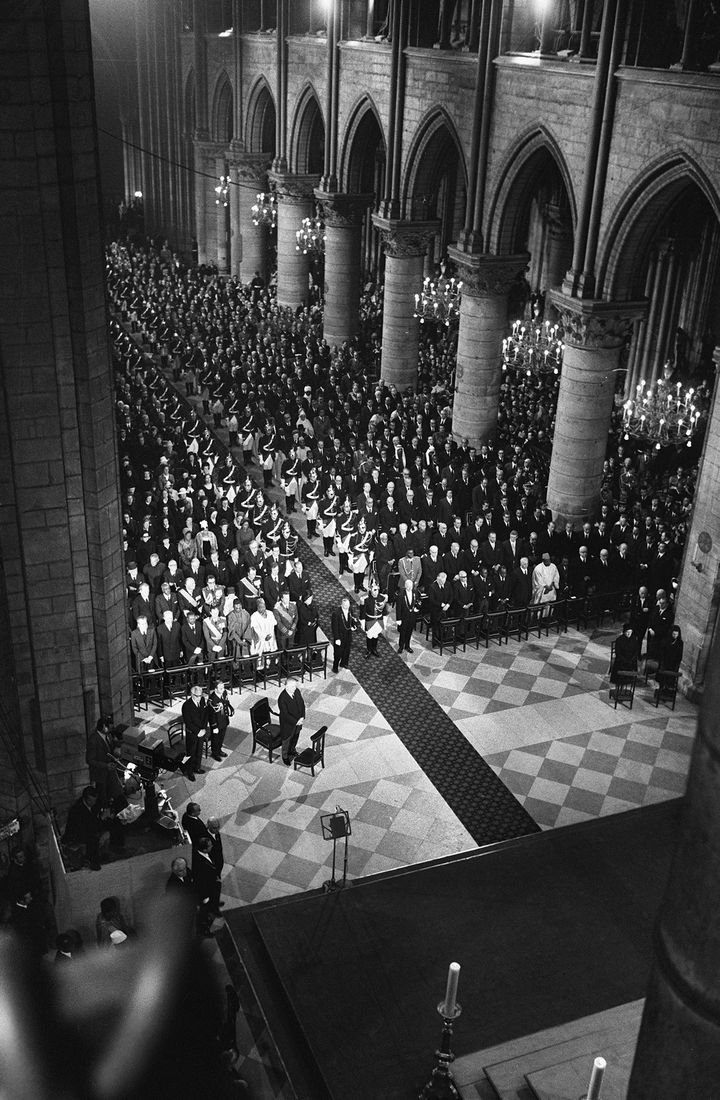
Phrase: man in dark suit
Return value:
(463, 596)
(491, 551)
(513, 549)
(101, 763)
(341, 625)
(193, 824)
(640, 614)
(441, 598)
(581, 573)
(194, 718)
(407, 611)
(143, 642)
(192, 639)
(291, 708)
(169, 641)
(216, 852)
(207, 884)
(521, 585)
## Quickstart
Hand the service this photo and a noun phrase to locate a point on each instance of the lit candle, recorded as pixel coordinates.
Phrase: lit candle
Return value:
(451, 989)
(596, 1079)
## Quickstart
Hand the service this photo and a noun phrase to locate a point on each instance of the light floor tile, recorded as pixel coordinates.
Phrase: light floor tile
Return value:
(587, 780)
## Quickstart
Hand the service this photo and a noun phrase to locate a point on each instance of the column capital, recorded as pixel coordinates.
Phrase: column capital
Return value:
(593, 323)
(486, 276)
(340, 209)
(292, 188)
(249, 168)
(405, 238)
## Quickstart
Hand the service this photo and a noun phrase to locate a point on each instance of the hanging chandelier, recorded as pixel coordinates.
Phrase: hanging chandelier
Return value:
(264, 211)
(222, 191)
(664, 414)
(533, 349)
(439, 302)
(310, 236)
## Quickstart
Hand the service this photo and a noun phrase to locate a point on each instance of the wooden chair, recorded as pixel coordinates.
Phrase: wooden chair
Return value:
(493, 626)
(176, 683)
(246, 672)
(536, 612)
(293, 661)
(174, 751)
(314, 755)
(447, 635)
(667, 687)
(316, 659)
(623, 691)
(264, 732)
(515, 622)
(574, 610)
(472, 627)
(270, 669)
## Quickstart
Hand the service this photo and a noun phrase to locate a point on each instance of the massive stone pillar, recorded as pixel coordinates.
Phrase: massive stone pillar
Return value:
(248, 177)
(207, 177)
(678, 1049)
(343, 217)
(405, 247)
(594, 336)
(222, 215)
(63, 631)
(699, 590)
(483, 324)
(295, 202)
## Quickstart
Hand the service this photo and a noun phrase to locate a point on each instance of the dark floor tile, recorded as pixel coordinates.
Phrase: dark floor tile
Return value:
(598, 761)
(627, 790)
(588, 802)
(557, 771)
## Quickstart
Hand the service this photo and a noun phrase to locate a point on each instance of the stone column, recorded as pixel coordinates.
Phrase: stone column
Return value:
(222, 214)
(206, 178)
(248, 177)
(699, 591)
(483, 324)
(64, 654)
(343, 216)
(295, 202)
(678, 1048)
(594, 336)
(405, 247)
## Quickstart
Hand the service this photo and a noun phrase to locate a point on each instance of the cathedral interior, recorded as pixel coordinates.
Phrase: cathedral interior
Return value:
(260, 261)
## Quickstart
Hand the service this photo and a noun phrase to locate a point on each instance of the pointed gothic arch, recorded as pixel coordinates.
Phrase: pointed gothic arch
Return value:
(363, 150)
(260, 118)
(435, 177)
(639, 215)
(306, 148)
(221, 124)
(535, 154)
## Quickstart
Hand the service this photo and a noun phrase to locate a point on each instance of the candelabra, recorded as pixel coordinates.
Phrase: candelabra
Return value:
(222, 191)
(664, 414)
(310, 236)
(264, 211)
(439, 302)
(533, 348)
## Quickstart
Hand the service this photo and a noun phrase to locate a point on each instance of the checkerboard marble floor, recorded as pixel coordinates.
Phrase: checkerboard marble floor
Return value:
(540, 714)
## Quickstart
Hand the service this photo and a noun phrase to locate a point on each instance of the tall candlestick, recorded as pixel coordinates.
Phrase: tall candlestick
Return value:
(452, 988)
(596, 1079)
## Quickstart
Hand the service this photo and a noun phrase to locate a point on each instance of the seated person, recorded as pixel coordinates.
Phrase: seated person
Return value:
(626, 654)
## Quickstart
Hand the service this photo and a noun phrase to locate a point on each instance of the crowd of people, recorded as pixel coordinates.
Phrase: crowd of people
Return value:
(403, 507)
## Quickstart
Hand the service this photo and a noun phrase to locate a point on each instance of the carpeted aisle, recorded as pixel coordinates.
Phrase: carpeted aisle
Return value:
(484, 805)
